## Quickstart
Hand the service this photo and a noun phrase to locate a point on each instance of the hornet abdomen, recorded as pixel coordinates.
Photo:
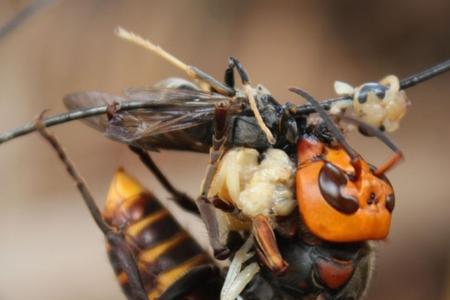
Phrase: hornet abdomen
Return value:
(171, 264)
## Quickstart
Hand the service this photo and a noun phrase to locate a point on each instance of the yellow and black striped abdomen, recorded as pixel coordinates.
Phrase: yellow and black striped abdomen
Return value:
(164, 251)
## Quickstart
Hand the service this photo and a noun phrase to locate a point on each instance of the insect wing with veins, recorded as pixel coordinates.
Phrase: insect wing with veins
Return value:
(177, 119)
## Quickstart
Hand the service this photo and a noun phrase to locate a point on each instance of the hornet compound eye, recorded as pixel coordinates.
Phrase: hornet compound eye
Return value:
(332, 181)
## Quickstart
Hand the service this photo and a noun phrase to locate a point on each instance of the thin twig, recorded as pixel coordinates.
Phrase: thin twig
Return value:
(22, 16)
(133, 105)
(429, 73)
(70, 116)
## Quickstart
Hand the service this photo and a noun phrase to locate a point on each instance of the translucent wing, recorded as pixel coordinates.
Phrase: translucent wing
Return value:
(173, 118)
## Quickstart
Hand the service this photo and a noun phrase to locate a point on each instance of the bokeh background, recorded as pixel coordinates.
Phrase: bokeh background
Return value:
(49, 246)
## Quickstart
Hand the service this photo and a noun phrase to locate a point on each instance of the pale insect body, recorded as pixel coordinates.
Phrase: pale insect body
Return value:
(264, 188)
(380, 104)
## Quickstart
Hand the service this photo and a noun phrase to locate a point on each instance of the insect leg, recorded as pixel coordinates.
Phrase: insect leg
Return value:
(229, 74)
(114, 237)
(180, 198)
(191, 71)
(265, 237)
(234, 63)
(206, 208)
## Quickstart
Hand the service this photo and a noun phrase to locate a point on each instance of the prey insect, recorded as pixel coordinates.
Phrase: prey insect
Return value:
(272, 174)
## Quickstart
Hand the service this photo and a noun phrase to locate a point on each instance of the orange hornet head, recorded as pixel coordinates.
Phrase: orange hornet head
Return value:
(340, 200)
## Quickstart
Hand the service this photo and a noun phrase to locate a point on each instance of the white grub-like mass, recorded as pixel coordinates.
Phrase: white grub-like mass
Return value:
(384, 111)
(264, 188)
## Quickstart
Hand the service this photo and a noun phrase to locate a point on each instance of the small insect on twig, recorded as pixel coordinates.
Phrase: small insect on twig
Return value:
(382, 104)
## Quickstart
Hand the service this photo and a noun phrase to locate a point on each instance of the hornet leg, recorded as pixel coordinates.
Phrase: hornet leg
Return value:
(114, 236)
(183, 200)
(234, 63)
(206, 208)
(267, 243)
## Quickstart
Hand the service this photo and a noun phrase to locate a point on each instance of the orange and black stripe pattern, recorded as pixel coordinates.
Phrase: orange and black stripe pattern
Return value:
(164, 251)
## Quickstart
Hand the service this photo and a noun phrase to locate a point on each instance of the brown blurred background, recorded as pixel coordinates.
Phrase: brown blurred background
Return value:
(50, 247)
